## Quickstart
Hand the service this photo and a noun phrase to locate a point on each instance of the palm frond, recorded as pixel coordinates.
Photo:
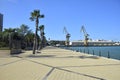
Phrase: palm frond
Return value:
(41, 27)
(31, 18)
(36, 13)
(42, 16)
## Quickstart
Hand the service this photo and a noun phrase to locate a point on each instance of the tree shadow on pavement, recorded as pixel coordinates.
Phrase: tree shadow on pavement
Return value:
(81, 57)
(55, 56)
(41, 56)
(92, 57)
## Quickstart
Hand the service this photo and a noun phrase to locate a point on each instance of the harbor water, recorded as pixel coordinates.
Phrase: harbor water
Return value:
(104, 51)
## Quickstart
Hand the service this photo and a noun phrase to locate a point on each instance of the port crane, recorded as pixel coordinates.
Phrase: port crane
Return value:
(67, 36)
(85, 36)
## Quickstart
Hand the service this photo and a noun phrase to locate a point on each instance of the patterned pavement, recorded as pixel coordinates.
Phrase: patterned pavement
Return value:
(53, 63)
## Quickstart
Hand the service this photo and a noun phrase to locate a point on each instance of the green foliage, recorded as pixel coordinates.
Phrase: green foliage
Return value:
(22, 34)
(3, 44)
(23, 29)
(41, 27)
(4, 48)
(36, 14)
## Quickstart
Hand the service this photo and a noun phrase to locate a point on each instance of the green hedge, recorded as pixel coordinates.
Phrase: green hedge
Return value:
(3, 44)
(4, 48)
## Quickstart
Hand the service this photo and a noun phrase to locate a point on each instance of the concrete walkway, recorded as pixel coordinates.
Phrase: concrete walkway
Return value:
(58, 64)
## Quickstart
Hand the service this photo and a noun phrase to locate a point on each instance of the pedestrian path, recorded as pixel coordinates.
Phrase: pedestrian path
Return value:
(53, 63)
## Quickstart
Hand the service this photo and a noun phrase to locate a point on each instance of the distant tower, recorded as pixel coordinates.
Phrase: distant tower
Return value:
(1, 22)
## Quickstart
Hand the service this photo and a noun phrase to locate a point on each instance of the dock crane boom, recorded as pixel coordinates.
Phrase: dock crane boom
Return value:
(67, 36)
(85, 36)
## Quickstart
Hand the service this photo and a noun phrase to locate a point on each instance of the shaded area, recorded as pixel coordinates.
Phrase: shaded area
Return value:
(90, 65)
(83, 57)
(55, 56)
(41, 56)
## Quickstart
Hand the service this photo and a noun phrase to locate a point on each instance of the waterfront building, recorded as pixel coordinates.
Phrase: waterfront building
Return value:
(56, 42)
(1, 22)
(93, 43)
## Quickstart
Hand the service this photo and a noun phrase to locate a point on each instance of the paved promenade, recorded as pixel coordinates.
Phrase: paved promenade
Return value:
(58, 64)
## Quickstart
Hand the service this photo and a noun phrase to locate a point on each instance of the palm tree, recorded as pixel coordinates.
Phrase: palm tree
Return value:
(35, 15)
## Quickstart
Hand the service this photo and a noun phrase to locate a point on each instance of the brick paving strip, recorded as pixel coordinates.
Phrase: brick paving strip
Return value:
(58, 64)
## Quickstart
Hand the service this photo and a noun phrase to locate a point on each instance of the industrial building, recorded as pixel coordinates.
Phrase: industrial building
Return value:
(1, 22)
(93, 43)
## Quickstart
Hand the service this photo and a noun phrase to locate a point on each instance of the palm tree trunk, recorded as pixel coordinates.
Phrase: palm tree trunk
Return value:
(41, 46)
(35, 40)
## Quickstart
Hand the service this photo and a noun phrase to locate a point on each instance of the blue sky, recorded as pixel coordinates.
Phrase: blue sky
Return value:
(101, 18)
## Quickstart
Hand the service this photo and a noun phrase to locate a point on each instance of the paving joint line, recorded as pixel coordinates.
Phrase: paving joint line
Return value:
(90, 76)
(11, 62)
(48, 74)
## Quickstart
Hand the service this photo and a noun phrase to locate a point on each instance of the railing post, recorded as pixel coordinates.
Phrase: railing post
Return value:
(84, 50)
(108, 54)
(88, 51)
(93, 52)
(81, 50)
(100, 53)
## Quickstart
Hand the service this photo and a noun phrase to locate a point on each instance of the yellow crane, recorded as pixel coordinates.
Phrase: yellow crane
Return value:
(67, 36)
(85, 36)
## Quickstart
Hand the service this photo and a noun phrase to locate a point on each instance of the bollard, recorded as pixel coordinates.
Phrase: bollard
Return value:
(100, 53)
(108, 54)
(93, 52)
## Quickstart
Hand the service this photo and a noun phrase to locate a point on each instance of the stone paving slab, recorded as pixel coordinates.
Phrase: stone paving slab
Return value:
(7, 61)
(110, 72)
(66, 75)
(4, 53)
(23, 70)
